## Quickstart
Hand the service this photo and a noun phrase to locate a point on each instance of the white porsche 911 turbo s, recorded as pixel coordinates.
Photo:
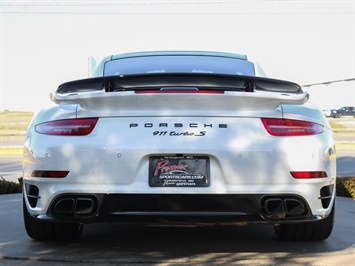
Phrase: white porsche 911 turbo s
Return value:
(179, 137)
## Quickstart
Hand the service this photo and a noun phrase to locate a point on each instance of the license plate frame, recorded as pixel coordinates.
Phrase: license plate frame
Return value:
(179, 171)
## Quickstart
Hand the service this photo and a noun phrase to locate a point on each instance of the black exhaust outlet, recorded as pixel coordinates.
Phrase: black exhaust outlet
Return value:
(294, 207)
(84, 206)
(274, 206)
(64, 206)
(284, 207)
(75, 205)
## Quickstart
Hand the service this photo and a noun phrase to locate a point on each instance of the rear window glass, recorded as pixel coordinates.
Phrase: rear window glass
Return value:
(179, 64)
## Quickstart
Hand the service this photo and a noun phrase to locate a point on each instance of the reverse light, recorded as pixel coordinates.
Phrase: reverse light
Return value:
(290, 127)
(68, 127)
(311, 174)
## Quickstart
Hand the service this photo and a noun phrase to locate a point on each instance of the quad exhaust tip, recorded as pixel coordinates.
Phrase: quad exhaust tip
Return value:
(84, 206)
(283, 207)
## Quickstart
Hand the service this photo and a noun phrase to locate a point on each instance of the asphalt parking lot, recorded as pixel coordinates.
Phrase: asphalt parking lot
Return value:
(113, 244)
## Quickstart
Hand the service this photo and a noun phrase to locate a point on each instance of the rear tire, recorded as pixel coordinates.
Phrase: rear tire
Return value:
(311, 231)
(50, 231)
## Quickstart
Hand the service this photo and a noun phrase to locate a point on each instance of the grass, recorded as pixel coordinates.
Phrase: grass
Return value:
(14, 123)
(345, 146)
(11, 151)
(340, 126)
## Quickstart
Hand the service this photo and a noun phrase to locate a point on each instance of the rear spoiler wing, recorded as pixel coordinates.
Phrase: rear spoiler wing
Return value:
(157, 81)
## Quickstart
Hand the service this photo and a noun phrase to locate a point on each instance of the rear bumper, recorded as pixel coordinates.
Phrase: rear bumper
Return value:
(179, 208)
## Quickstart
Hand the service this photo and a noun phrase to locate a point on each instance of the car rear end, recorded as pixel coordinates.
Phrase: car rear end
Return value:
(180, 154)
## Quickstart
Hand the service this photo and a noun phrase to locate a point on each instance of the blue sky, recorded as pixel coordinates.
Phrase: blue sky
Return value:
(45, 43)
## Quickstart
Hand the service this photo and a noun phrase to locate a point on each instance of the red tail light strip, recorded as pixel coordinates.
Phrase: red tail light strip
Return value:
(49, 174)
(180, 91)
(289, 127)
(69, 127)
(312, 174)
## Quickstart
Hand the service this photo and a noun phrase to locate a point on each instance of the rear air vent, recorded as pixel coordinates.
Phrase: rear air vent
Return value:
(32, 194)
(326, 195)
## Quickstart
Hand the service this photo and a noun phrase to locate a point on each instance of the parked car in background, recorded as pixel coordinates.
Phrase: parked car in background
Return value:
(328, 112)
(344, 111)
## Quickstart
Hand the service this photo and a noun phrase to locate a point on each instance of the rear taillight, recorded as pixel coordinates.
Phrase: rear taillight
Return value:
(68, 127)
(309, 174)
(289, 127)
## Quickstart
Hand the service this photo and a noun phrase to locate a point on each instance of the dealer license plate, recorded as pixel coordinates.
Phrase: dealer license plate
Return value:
(179, 171)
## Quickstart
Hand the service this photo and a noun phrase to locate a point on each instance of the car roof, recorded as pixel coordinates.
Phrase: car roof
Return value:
(179, 53)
